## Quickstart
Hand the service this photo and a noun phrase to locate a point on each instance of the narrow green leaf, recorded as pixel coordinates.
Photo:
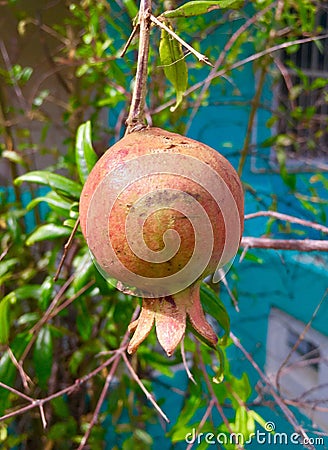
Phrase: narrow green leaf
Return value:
(46, 292)
(85, 155)
(58, 183)
(28, 291)
(4, 319)
(196, 8)
(259, 419)
(219, 376)
(69, 223)
(85, 271)
(46, 232)
(174, 65)
(43, 356)
(213, 306)
(131, 8)
(56, 202)
(7, 264)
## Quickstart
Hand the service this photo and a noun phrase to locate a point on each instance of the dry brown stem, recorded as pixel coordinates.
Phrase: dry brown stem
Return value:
(136, 118)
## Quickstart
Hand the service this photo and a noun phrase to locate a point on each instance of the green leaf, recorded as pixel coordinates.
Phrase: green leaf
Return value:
(46, 232)
(131, 8)
(213, 306)
(4, 319)
(174, 65)
(43, 356)
(244, 422)
(58, 183)
(60, 407)
(13, 157)
(69, 223)
(196, 8)
(84, 320)
(46, 292)
(143, 437)
(259, 419)
(55, 201)
(84, 270)
(28, 291)
(85, 155)
(219, 376)
(6, 265)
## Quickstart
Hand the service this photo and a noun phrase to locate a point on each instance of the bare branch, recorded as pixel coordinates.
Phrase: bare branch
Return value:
(221, 57)
(143, 388)
(241, 63)
(280, 402)
(100, 402)
(299, 340)
(203, 420)
(136, 118)
(302, 245)
(66, 248)
(288, 218)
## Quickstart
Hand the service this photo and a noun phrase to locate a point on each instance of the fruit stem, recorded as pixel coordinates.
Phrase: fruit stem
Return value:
(136, 118)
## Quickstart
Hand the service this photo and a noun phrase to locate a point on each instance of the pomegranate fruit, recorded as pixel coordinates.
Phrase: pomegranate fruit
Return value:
(160, 212)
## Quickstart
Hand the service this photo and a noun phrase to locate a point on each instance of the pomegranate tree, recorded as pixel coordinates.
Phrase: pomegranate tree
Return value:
(160, 212)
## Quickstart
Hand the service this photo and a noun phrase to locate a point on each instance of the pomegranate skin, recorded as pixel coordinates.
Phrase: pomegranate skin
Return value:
(178, 192)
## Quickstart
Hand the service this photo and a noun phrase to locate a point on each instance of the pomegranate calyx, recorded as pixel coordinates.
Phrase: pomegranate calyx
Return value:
(170, 314)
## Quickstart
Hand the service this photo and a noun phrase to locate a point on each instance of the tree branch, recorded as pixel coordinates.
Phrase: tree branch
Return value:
(136, 118)
(288, 218)
(302, 245)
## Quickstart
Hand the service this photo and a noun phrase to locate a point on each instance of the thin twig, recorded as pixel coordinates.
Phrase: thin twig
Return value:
(220, 60)
(45, 318)
(198, 55)
(72, 299)
(279, 401)
(288, 218)
(128, 42)
(203, 420)
(43, 417)
(24, 377)
(100, 402)
(230, 293)
(301, 245)
(299, 340)
(15, 391)
(185, 364)
(69, 389)
(120, 352)
(143, 388)
(238, 64)
(66, 248)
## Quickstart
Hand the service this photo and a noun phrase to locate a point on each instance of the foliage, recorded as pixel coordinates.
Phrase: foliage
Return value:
(61, 339)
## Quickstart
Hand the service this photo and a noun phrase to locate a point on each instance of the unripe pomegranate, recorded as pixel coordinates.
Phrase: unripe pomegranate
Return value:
(160, 212)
